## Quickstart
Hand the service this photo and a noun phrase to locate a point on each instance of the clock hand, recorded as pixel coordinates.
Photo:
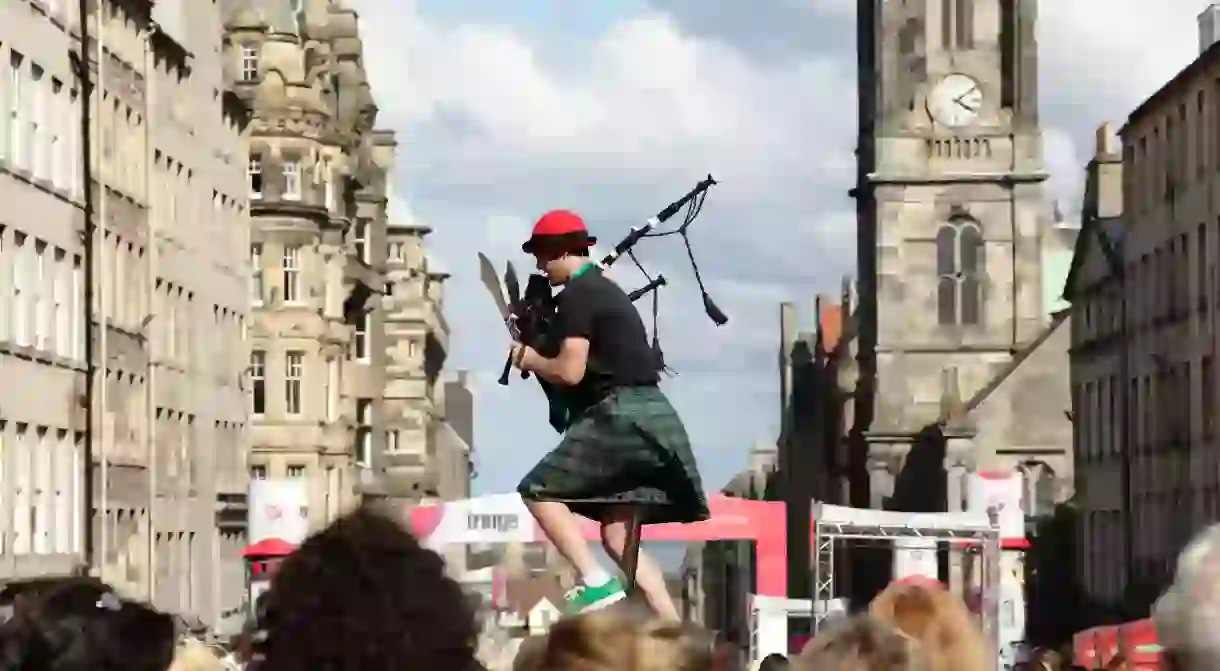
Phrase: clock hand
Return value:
(959, 99)
(965, 106)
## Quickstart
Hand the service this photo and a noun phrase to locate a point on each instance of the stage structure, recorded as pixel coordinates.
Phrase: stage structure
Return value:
(503, 518)
(833, 525)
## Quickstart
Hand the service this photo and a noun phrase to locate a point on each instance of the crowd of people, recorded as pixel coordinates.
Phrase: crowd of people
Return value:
(363, 594)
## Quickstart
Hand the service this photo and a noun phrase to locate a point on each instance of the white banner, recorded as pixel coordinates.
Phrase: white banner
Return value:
(1003, 491)
(915, 558)
(500, 518)
(278, 510)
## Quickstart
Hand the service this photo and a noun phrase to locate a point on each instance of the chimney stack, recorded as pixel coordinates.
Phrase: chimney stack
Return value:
(1209, 27)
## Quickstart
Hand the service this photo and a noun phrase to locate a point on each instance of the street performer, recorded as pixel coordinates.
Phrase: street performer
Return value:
(625, 452)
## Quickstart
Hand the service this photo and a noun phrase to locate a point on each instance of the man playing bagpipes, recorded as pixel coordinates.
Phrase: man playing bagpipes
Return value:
(625, 458)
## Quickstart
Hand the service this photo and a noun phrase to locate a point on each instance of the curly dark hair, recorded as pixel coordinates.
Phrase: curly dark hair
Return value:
(74, 624)
(363, 594)
(774, 662)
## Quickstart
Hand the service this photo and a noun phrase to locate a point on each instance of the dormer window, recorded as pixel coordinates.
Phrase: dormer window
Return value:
(249, 64)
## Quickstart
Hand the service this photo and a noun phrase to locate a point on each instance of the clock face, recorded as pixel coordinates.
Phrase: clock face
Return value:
(956, 101)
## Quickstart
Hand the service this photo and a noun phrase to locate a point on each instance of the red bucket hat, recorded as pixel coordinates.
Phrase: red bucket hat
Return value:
(560, 228)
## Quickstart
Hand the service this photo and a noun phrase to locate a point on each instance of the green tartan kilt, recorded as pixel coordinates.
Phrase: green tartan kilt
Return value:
(629, 449)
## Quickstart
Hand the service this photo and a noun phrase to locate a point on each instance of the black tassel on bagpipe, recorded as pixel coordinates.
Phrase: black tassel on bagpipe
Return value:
(537, 304)
(693, 202)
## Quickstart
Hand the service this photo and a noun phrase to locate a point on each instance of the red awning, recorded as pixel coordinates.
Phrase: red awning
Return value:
(1005, 543)
(271, 547)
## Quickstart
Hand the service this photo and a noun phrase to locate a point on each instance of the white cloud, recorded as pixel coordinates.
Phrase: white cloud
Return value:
(1118, 50)
(499, 123)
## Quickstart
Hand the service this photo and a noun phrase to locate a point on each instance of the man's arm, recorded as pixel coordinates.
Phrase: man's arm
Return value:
(574, 329)
(567, 369)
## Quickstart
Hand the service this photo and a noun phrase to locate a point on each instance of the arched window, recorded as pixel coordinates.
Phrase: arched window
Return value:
(960, 266)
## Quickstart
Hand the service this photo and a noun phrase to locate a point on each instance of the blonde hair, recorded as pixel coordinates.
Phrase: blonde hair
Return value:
(619, 641)
(1188, 613)
(937, 620)
(193, 655)
(862, 643)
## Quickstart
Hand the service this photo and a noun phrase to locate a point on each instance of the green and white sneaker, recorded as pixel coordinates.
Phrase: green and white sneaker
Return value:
(584, 599)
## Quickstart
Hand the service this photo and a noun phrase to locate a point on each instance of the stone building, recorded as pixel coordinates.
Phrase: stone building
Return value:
(161, 260)
(455, 444)
(960, 365)
(417, 339)
(1144, 299)
(347, 335)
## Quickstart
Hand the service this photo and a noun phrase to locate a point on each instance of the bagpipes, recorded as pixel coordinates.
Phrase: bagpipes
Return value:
(529, 315)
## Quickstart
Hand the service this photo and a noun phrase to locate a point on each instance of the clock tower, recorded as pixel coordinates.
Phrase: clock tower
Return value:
(951, 219)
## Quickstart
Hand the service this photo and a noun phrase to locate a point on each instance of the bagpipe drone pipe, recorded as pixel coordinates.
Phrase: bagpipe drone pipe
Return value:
(535, 309)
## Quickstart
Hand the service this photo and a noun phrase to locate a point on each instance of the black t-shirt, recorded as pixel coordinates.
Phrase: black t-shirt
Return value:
(593, 307)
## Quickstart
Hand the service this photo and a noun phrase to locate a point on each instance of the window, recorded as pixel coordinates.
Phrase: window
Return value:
(258, 381)
(412, 349)
(391, 441)
(17, 103)
(1208, 396)
(61, 121)
(1201, 133)
(332, 389)
(294, 371)
(364, 432)
(965, 24)
(328, 187)
(22, 303)
(1008, 53)
(73, 145)
(296, 471)
(38, 129)
(1182, 149)
(63, 318)
(1203, 270)
(118, 305)
(360, 341)
(1169, 150)
(42, 304)
(258, 472)
(360, 240)
(171, 322)
(394, 251)
(292, 274)
(254, 173)
(78, 309)
(6, 85)
(292, 180)
(960, 264)
(249, 63)
(256, 273)
(957, 23)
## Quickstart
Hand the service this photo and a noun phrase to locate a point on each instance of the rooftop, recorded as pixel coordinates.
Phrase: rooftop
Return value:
(1205, 61)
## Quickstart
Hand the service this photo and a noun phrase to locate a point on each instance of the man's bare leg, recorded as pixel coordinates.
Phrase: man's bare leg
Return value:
(648, 575)
(562, 528)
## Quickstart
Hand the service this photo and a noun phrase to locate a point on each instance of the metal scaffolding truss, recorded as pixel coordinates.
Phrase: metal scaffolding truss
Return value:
(840, 523)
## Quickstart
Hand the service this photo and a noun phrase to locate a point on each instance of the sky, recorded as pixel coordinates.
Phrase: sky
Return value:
(614, 108)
